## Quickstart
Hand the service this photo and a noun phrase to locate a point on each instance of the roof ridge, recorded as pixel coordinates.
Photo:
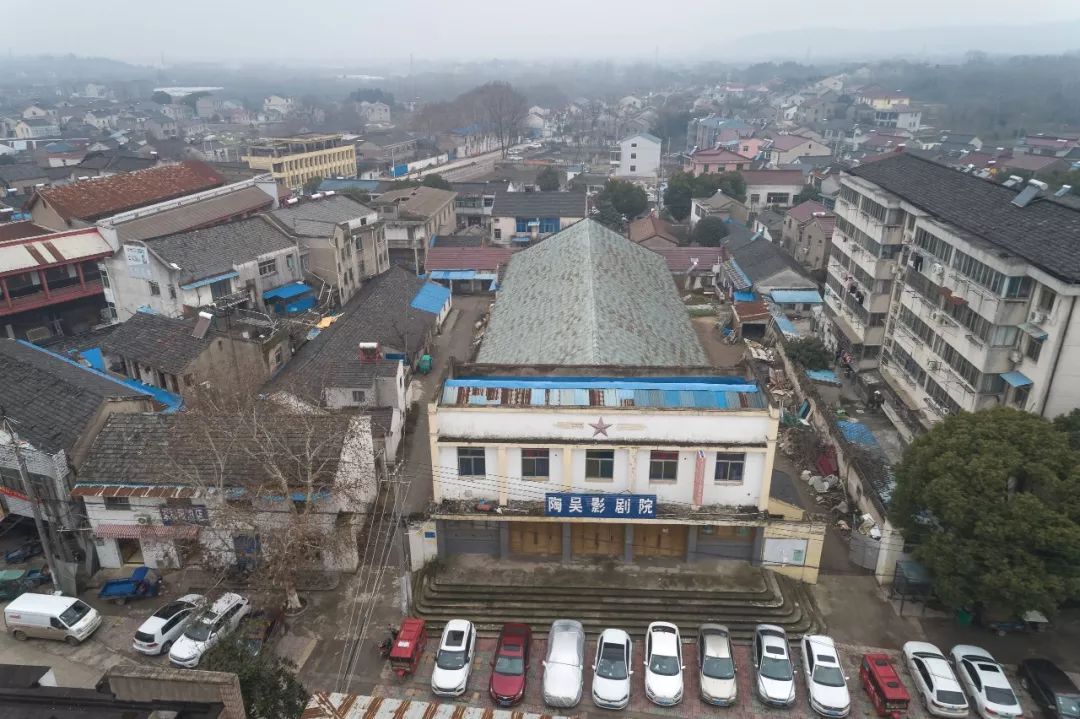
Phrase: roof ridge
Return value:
(594, 329)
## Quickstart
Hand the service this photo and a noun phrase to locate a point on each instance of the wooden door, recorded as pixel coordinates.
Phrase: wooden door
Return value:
(597, 540)
(658, 540)
(536, 538)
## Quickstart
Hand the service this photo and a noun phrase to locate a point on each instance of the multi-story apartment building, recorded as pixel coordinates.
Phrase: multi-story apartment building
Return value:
(637, 156)
(296, 160)
(961, 290)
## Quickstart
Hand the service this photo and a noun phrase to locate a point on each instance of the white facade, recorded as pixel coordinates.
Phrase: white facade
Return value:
(639, 156)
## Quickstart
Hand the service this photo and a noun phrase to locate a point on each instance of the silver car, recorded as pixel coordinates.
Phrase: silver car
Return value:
(564, 673)
(716, 665)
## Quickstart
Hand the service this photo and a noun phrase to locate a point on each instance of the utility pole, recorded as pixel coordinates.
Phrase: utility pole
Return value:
(31, 494)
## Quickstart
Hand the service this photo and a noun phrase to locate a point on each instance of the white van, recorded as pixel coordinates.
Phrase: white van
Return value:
(51, 617)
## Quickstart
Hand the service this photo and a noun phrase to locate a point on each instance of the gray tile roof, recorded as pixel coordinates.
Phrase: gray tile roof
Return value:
(1046, 233)
(589, 296)
(196, 214)
(21, 171)
(163, 343)
(216, 250)
(195, 449)
(540, 204)
(52, 401)
(762, 259)
(380, 312)
(316, 218)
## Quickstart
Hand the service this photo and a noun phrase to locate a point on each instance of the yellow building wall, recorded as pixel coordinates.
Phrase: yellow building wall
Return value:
(814, 534)
(301, 167)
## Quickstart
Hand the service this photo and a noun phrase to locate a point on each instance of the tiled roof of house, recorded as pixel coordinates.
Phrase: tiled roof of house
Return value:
(202, 213)
(805, 211)
(115, 162)
(588, 296)
(20, 172)
(539, 204)
(827, 224)
(1030, 163)
(161, 342)
(758, 178)
(1044, 232)
(417, 201)
(719, 156)
(441, 257)
(21, 230)
(645, 228)
(51, 400)
(789, 142)
(215, 250)
(680, 259)
(99, 197)
(317, 218)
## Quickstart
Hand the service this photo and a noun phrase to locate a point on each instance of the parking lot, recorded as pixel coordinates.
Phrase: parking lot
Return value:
(418, 686)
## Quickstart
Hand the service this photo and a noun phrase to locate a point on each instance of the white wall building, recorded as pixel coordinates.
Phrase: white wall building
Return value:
(639, 156)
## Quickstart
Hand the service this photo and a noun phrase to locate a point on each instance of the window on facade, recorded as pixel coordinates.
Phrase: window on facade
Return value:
(267, 267)
(358, 396)
(1020, 396)
(470, 462)
(754, 199)
(535, 463)
(663, 466)
(155, 288)
(777, 198)
(729, 467)
(290, 262)
(1033, 349)
(105, 279)
(1019, 288)
(117, 503)
(599, 464)
(172, 292)
(633, 168)
(1046, 299)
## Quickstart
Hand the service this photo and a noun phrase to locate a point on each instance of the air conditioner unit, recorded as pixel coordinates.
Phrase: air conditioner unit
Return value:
(933, 365)
(933, 316)
(1038, 317)
(144, 519)
(1016, 357)
(937, 268)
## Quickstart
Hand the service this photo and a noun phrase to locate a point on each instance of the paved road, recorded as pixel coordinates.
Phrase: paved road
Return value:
(467, 167)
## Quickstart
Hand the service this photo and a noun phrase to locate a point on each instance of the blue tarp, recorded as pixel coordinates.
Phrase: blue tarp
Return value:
(823, 375)
(1016, 379)
(293, 289)
(431, 298)
(745, 296)
(302, 304)
(796, 297)
(95, 358)
(858, 433)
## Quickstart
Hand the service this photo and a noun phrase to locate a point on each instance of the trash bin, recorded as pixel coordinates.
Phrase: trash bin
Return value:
(964, 617)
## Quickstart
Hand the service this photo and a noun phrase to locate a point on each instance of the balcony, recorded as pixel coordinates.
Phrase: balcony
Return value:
(53, 296)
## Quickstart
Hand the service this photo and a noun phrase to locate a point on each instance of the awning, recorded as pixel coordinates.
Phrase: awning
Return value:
(293, 289)
(147, 531)
(462, 275)
(1034, 331)
(210, 280)
(162, 491)
(1016, 379)
(431, 298)
(796, 297)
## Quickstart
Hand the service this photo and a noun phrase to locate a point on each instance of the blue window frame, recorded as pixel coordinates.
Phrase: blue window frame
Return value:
(549, 225)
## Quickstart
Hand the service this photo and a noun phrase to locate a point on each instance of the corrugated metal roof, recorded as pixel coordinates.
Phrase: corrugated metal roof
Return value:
(52, 249)
(431, 298)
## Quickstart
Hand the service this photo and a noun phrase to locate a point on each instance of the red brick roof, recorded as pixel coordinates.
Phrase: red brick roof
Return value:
(467, 258)
(719, 156)
(19, 230)
(806, 210)
(773, 177)
(679, 259)
(651, 226)
(1032, 163)
(96, 198)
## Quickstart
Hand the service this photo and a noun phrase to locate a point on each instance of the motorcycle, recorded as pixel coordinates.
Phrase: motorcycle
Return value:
(386, 645)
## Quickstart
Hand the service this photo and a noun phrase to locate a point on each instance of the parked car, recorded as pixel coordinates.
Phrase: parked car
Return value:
(207, 629)
(985, 682)
(772, 663)
(935, 683)
(453, 662)
(1051, 689)
(825, 679)
(564, 665)
(157, 634)
(611, 670)
(716, 665)
(663, 664)
(509, 667)
(50, 616)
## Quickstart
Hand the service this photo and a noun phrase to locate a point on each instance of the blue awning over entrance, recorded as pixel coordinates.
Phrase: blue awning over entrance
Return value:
(293, 289)
(1016, 379)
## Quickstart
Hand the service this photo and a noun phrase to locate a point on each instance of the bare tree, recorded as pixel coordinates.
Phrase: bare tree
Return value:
(502, 109)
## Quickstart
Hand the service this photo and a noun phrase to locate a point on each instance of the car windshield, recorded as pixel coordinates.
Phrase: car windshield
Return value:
(951, 698)
(718, 668)
(1000, 695)
(73, 614)
(612, 664)
(829, 676)
(450, 659)
(200, 631)
(663, 665)
(778, 669)
(1069, 706)
(513, 666)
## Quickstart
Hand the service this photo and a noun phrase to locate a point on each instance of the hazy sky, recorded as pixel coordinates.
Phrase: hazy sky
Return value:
(352, 31)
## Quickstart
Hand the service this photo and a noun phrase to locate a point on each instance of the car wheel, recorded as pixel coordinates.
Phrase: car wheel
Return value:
(19, 634)
(71, 641)
(166, 647)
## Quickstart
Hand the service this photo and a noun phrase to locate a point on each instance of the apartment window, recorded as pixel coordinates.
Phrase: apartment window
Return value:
(777, 198)
(172, 292)
(1004, 336)
(1046, 299)
(754, 199)
(729, 467)
(104, 278)
(498, 234)
(535, 463)
(1033, 349)
(359, 396)
(599, 464)
(267, 267)
(1020, 396)
(1019, 288)
(633, 144)
(290, 262)
(633, 168)
(117, 503)
(470, 462)
(155, 288)
(663, 466)
(633, 155)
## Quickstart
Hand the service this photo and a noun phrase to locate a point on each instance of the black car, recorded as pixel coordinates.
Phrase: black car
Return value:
(1051, 688)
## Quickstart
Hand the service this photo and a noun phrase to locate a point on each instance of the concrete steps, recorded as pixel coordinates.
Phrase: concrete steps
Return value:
(778, 600)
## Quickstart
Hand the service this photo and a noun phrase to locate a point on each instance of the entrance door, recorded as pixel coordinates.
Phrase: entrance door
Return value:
(130, 551)
(658, 540)
(536, 539)
(597, 540)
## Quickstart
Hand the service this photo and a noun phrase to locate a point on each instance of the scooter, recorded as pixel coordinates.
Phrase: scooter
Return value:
(388, 644)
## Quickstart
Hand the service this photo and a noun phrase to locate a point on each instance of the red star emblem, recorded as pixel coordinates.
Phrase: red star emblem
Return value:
(599, 428)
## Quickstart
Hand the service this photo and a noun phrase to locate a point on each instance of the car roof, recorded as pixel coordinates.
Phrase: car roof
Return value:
(970, 651)
(515, 630)
(917, 647)
(1051, 675)
(664, 643)
(454, 627)
(615, 636)
(821, 643)
(564, 642)
(717, 645)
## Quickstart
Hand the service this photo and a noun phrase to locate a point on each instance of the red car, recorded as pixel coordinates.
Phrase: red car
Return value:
(511, 662)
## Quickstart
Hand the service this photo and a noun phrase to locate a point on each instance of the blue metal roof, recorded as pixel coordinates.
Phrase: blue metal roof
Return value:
(293, 289)
(353, 184)
(741, 296)
(796, 297)
(431, 298)
(210, 280)
(786, 326)
(1016, 379)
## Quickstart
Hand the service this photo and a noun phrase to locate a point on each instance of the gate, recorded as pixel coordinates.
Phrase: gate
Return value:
(470, 538)
(863, 551)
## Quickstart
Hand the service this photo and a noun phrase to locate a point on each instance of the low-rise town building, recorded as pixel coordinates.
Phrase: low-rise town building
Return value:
(524, 217)
(295, 161)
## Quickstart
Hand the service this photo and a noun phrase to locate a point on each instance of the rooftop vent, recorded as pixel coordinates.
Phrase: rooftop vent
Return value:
(1064, 190)
(1013, 181)
(370, 351)
(1029, 193)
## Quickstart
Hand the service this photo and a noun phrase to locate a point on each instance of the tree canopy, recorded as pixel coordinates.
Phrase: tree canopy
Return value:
(683, 187)
(810, 352)
(548, 179)
(312, 185)
(161, 98)
(437, 181)
(991, 501)
(269, 687)
(808, 192)
(709, 232)
(625, 197)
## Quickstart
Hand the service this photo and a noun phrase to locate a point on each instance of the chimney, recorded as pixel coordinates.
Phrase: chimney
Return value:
(370, 352)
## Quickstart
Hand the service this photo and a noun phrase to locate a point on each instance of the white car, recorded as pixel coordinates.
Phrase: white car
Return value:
(825, 678)
(157, 634)
(941, 694)
(985, 682)
(611, 670)
(663, 664)
(772, 662)
(207, 629)
(453, 662)
(564, 665)
(716, 665)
